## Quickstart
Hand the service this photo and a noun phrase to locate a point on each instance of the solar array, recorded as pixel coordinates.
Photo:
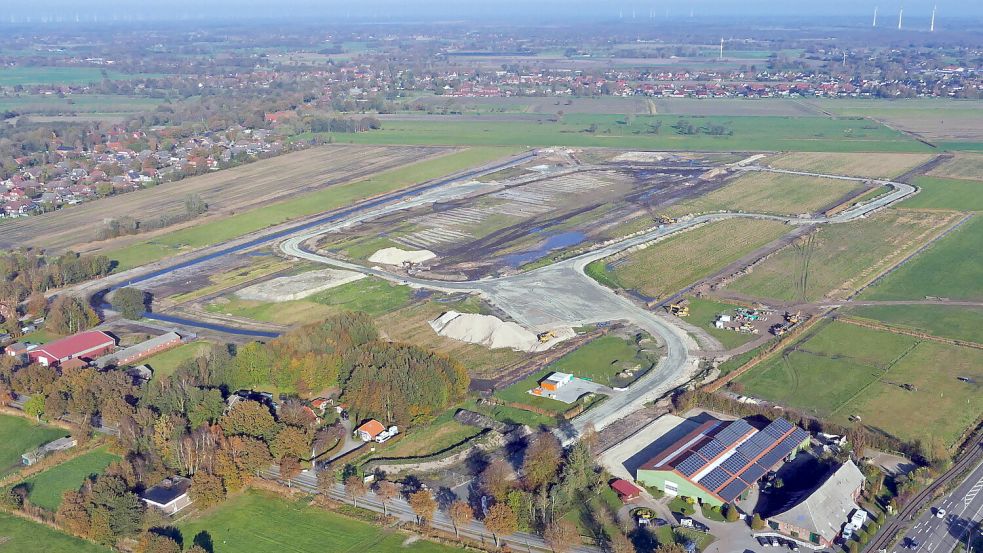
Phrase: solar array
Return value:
(733, 432)
(778, 428)
(711, 449)
(691, 465)
(732, 490)
(716, 478)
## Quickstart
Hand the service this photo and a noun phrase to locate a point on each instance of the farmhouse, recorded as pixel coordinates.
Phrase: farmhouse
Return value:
(170, 496)
(61, 444)
(719, 461)
(368, 431)
(820, 515)
(84, 345)
(132, 354)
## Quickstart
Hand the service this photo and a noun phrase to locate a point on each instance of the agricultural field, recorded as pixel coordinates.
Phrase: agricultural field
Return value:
(47, 487)
(144, 250)
(229, 191)
(947, 321)
(838, 371)
(12, 76)
(652, 132)
(948, 123)
(874, 165)
(257, 522)
(44, 104)
(166, 362)
(18, 436)
(702, 313)
(962, 166)
(670, 265)
(946, 193)
(774, 193)
(733, 106)
(255, 267)
(835, 260)
(25, 536)
(951, 268)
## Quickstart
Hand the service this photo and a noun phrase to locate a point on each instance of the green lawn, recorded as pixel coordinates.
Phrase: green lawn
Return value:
(950, 268)
(18, 436)
(327, 199)
(431, 438)
(371, 295)
(257, 522)
(80, 103)
(947, 321)
(519, 393)
(46, 488)
(813, 134)
(942, 193)
(24, 536)
(601, 359)
(702, 313)
(511, 415)
(165, 363)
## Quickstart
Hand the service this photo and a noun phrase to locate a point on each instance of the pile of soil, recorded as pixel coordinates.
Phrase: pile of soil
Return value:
(398, 256)
(492, 332)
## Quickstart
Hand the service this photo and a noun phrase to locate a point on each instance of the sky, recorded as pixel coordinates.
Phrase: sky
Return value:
(531, 11)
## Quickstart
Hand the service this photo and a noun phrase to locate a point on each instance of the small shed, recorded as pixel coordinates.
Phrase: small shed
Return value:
(555, 380)
(625, 490)
(170, 496)
(61, 444)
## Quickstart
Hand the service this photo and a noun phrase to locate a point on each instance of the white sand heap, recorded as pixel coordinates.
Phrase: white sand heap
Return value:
(297, 287)
(397, 256)
(493, 332)
(640, 157)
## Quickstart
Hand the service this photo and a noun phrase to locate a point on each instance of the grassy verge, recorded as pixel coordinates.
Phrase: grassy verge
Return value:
(334, 197)
(947, 321)
(165, 363)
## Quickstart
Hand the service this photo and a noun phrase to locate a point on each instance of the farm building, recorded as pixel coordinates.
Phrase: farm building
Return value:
(84, 345)
(819, 517)
(625, 490)
(555, 380)
(368, 431)
(61, 444)
(170, 496)
(719, 461)
(144, 349)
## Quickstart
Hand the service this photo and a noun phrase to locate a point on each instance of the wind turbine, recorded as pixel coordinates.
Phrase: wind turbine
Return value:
(932, 28)
(875, 17)
(900, 17)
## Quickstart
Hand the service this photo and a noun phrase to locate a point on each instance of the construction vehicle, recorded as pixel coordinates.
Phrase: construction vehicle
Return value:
(546, 336)
(666, 220)
(679, 309)
(793, 318)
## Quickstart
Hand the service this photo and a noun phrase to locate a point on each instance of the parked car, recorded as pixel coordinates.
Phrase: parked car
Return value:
(762, 542)
(772, 541)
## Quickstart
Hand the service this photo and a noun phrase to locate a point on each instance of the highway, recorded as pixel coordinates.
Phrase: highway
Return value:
(964, 511)
(561, 294)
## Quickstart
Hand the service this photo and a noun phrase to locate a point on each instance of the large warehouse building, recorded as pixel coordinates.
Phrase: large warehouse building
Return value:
(719, 461)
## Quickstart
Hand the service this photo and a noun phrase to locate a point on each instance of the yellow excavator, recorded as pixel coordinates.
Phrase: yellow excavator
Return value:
(546, 336)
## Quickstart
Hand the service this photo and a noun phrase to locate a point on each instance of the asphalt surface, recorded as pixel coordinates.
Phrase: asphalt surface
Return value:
(964, 511)
(561, 294)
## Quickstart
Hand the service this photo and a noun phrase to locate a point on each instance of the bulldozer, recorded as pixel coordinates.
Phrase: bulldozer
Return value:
(546, 336)
(679, 309)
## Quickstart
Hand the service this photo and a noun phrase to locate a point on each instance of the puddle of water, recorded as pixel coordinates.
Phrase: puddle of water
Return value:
(554, 242)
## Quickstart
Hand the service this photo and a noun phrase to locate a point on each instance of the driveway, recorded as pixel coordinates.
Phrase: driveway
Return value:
(577, 387)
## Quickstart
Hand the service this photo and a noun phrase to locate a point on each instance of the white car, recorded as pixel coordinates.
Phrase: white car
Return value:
(940, 513)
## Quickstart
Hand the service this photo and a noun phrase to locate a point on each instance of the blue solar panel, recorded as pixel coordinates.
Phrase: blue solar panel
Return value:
(732, 490)
(799, 436)
(714, 479)
(753, 473)
(691, 465)
(762, 440)
(711, 449)
(735, 463)
(769, 459)
(778, 428)
(733, 432)
(750, 449)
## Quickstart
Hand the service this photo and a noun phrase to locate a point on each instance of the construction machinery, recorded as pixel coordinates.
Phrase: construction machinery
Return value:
(666, 220)
(793, 318)
(679, 309)
(546, 336)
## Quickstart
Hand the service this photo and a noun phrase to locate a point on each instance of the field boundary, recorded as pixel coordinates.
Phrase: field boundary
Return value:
(877, 325)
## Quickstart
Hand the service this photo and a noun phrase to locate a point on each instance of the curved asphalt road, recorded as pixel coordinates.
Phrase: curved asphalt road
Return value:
(562, 294)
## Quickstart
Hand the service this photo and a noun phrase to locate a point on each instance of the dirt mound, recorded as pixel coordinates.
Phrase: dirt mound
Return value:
(493, 332)
(398, 256)
(297, 287)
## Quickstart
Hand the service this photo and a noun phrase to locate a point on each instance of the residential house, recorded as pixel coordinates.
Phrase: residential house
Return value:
(170, 496)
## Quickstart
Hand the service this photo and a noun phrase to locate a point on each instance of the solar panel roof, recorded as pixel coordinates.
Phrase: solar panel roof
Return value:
(750, 449)
(691, 465)
(732, 490)
(799, 435)
(772, 457)
(735, 463)
(711, 449)
(733, 432)
(753, 473)
(778, 428)
(714, 479)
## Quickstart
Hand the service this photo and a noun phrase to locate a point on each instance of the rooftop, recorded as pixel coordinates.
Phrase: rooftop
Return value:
(76, 344)
(827, 507)
(167, 491)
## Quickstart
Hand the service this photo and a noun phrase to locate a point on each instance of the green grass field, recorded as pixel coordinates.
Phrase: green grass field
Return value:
(46, 488)
(702, 313)
(837, 259)
(749, 133)
(442, 433)
(82, 103)
(680, 260)
(838, 371)
(327, 199)
(12, 76)
(18, 436)
(165, 363)
(24, 536)
(257, 522)
(601, 359)
(947, 321)
(943, 193)
(519, 393)
(950, 268)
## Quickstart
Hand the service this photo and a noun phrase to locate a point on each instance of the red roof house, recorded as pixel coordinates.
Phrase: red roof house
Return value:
(84, 345)
(368, 431)
(625, 490)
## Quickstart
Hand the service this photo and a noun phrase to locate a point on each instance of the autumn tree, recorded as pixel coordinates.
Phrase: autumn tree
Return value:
(152, 542)
(206, 489)
(561, 536)
(130, 302)
(757, 523)
(73, 514)
(461, 514)
(251, 454)
(250, 418)
(37, 304)
(497, 478)
(289, 467)
(35, 406)
(69, 315)
(542, 460)
(501, 521)
(619, 543)
(730, 512)
(291, 440)
(670, 548)
(423, 505)
(386, 491)
(355, 488)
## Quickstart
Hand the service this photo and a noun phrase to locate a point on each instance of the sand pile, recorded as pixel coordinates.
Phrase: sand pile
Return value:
(640, 157)
(397, 256)
(297, 287)
(492, 332)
